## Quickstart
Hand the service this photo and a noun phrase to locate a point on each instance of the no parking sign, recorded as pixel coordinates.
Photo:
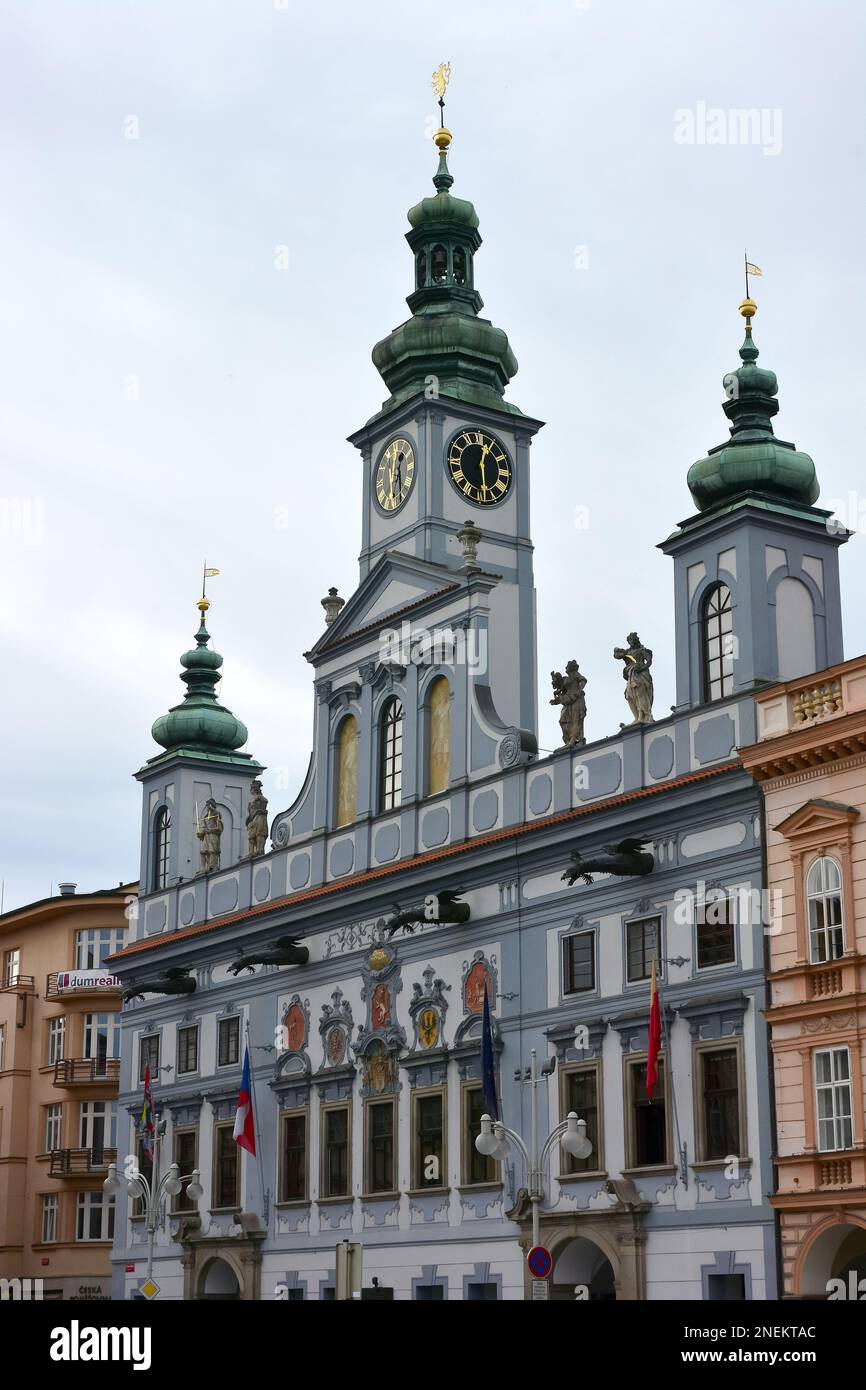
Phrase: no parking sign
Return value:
(540, 1262)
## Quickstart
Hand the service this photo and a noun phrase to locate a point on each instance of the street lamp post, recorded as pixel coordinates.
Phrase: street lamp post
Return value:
(154, 1191)
(495, 1138)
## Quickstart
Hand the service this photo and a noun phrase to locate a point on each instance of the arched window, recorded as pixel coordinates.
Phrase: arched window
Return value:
(824, 898)
(438, 736)
(459, 259)
(347, 771)
(718, 643)
(162, 848)
(420, 270)
(391, 755)
(439, 265)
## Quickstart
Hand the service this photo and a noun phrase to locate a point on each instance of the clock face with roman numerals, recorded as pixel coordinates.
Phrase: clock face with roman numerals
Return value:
(395, 475)
(479, 467)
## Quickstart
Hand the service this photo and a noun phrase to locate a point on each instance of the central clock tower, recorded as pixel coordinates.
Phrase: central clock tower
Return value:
(447, 448)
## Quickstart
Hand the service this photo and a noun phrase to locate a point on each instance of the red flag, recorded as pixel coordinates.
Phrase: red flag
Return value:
(655, 1038)
(145, 1124)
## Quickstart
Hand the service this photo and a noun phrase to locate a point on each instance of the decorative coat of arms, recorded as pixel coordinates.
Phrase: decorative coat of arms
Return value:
(427, 1009)
(380, 1039)
(335, 1027)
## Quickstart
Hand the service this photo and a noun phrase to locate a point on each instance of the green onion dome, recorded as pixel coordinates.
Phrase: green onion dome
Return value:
(199, 722)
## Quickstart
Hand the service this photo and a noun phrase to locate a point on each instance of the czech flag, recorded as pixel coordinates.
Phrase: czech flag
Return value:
(655, 1038)
(244, 1131)
(145, 1124)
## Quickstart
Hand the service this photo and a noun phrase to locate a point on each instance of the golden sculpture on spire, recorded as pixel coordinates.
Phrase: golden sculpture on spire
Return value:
(441, 78)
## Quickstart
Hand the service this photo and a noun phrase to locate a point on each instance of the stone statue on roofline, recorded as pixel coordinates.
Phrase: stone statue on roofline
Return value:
(568, 692)
(638, 680)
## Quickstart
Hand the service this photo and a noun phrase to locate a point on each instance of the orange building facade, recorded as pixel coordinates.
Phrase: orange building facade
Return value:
(59, 1050)
(810, 759)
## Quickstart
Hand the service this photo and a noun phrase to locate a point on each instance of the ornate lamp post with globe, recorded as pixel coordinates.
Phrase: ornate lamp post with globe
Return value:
(496, 1138)
(153, 1191)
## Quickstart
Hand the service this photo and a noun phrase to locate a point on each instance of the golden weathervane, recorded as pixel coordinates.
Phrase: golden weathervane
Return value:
(441, 78)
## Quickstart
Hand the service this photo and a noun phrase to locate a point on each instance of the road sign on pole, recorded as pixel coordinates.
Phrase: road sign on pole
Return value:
(540, 1262)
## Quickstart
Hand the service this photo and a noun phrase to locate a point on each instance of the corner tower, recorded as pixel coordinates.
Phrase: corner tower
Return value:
(756, 586)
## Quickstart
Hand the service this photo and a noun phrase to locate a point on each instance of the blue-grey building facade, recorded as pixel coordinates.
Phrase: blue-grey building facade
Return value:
(425, 777)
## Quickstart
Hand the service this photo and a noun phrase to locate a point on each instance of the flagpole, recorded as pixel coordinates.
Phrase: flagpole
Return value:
(257, 1131)
(670, 1071)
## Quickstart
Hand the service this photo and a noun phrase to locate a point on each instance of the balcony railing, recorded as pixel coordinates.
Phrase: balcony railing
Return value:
(87, 1071)
(75, 1162)
(20, 983)
(824, 982)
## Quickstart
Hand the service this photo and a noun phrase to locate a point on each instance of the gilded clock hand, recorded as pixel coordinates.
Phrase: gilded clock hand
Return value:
(485, 450)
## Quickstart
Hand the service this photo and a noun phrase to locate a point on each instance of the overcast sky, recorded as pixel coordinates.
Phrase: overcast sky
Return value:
(166, 391)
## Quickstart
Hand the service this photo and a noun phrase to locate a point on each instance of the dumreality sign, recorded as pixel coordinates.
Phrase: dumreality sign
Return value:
(86, 979)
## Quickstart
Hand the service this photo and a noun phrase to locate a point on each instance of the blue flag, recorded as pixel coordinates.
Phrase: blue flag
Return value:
(488, 1069)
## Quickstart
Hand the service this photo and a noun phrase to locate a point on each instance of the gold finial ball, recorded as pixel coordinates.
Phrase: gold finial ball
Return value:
(442, 139)
(203, 605)
(748, 308)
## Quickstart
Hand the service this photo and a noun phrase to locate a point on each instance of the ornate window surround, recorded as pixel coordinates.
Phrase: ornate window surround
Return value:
(818, 830)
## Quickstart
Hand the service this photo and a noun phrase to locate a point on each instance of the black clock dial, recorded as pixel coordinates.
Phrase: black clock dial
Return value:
(479, 467)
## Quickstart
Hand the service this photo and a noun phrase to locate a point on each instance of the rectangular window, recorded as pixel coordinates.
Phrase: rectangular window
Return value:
(578, 962)
(430, 1293)
(580, 1093)
(101, 1039)
(720, 1096)
(11, 967)
(53, 1122)
(185, 1155)
(227, 1168)
(649, 1135)
(428, 1140)
(148, 1056)
(643, 940)
(335, 1152)
(187, 1049)
(228, 1052)
(98, 1130)
(56, 1040)
(94, 946)
(715, 931)
(293, 1166)
(477, 1167)
(726, 1288)
(482, 1293)
(380, 1146)
(833, 1099)
(50, 1208)
(94, 1216)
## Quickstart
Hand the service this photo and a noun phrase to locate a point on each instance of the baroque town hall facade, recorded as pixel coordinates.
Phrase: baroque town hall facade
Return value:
(425, 790)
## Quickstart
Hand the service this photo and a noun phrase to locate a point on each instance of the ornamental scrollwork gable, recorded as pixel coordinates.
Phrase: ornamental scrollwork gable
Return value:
(380, 1038)
(335, 1030)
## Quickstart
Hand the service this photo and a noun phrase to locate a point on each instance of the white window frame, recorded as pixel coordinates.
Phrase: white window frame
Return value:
(94, 944)
(86, 1204)
(822, 895)
(11, 966)
(50, 1216)
(53, 1126)
(91, 1113)
(838, 1088)
(56, 1039)
(92, 1027)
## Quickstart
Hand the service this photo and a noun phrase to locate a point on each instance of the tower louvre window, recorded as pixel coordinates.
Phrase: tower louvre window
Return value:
(459, 261)
(391, 765)
(163, 848)
(421, 270)
(717, 636)
(439, 265)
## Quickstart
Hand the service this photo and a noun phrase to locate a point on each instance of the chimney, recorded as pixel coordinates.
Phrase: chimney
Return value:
(67, 890)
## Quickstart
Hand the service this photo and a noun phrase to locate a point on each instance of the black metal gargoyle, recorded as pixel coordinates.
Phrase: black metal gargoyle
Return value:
(628, 858)
(286, 950)
(443, 908)
(176, 980)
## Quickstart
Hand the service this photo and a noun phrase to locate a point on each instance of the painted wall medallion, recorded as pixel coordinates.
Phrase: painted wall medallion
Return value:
(380, 1070)
(336, 1046)
(477, 980)
(428, 1028)
(380, 1013)
(295, 1027)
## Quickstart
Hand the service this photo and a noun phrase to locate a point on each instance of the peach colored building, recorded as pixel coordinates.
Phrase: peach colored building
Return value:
(59, 1048)
(810, 760)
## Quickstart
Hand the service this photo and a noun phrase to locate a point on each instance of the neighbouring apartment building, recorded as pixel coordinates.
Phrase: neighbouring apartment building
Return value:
(810, 760)
(59, 1068)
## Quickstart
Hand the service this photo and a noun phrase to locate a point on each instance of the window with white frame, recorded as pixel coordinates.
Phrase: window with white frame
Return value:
(56, 1040)
(53, 1122)
(50, 1207)
(229, 1041)
(643, 945)
(11, 966)
(148, 1056)
(101, 1038)
(94, 1217)
(95, 945)
(98, 1126)
(578, 962)
(824, 900)
(833, 1099)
